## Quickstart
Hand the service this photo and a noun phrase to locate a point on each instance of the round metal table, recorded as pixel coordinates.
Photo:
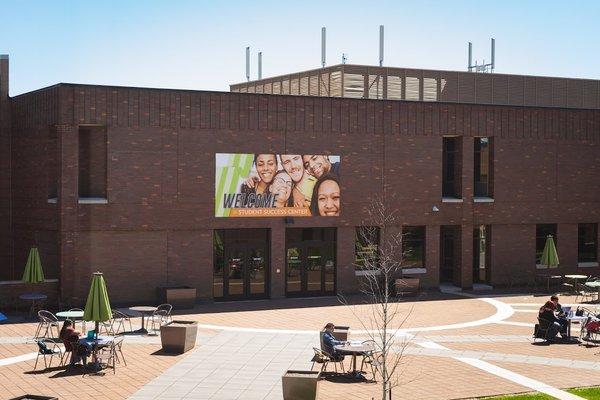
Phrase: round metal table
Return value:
(73, 315)
(355, 350)
(33, 297)
(143, 310)
(70, 314)
(575, 278)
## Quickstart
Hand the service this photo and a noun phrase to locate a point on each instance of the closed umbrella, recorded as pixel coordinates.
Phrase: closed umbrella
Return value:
(33, 269)
(97, 307)
(549, 255)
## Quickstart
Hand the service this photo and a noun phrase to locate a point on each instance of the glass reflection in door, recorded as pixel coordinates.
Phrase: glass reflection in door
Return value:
(294, 270)
(236, 273)
(256, 271)
(314, 266)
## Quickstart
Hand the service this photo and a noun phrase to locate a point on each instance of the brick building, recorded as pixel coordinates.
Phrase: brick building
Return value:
(480, 168)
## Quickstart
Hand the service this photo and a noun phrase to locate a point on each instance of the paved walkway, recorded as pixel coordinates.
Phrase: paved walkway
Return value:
(242, 355)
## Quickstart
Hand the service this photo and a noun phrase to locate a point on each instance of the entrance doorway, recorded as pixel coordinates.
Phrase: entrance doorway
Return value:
(310, 262)
(241, 264)
(449, 253)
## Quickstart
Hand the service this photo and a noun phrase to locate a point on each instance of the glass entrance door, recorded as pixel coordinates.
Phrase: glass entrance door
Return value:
(241, 264)
(448, 253)
(310, 266)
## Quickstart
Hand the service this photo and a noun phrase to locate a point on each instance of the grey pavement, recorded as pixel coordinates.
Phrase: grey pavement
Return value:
(233, 365)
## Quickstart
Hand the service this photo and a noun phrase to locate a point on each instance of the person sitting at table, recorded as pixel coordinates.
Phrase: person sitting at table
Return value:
(329, 342)
(550, 323)
(70, 338)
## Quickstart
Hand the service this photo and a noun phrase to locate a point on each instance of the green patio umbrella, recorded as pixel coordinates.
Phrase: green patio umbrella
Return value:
(549, 255)
(33, 269)
(97, 309)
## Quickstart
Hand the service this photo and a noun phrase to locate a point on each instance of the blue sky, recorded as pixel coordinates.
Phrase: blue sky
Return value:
(201, 44)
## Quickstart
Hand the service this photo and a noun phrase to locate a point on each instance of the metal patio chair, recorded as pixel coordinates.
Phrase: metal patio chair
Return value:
(47, 347)
(47, 321)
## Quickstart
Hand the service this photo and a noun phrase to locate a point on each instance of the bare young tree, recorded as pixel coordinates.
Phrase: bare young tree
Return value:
(380, 260)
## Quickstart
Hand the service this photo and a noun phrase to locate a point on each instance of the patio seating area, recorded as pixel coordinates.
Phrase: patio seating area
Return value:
(242, 351)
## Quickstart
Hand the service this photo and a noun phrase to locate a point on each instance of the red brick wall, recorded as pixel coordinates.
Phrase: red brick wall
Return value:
(5, 159)
(157, 227)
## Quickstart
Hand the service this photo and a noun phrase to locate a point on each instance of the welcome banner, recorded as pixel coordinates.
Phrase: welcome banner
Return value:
(277, 185)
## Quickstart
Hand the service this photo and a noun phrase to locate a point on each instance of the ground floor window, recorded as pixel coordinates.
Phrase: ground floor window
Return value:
(587, 243)
(241, 264)
(413, 247)
(310, 261)
(481, 253)
(366, 247)
(541, 234)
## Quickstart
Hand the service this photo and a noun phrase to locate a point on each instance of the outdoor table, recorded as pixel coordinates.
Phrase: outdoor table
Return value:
(72, 315)
(355, 350)
(96, 343)
(575, 278)
(595, 285)
(577, 319)
(548, 278)
(33, 297)
(143, 310)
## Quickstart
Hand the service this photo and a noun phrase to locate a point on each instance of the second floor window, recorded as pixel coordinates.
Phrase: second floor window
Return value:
(482, 167)
(452, 167)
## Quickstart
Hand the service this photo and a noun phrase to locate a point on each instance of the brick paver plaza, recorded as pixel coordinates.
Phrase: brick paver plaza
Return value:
(457, 346)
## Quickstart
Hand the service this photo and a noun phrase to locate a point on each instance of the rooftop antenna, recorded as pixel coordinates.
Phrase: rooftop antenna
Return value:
(484, 67)
(248, 63)
(260, 65)
(344, 58)
(470, 65)
(323, 45)
(381, 45)
(493, 54)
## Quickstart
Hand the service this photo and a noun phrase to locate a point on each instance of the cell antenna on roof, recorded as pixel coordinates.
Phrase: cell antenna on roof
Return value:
(344, 58)
(381, 45)
(323, 45)
(489, 67)
(248, 63)
(260, 65)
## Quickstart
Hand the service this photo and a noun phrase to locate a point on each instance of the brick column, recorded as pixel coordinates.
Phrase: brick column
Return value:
(466, 257)
(278, 260)
(346, 277)
(190, 261)
(68, 197)
(432, 256)
(567, 248)
(6, 241)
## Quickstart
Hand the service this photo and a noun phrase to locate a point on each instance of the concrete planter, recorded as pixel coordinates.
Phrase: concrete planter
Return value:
(178, 336)
(300, 385)
(341, 332)
(180, 297)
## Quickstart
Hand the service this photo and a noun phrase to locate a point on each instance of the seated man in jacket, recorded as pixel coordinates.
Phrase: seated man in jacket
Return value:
(550, 322)
(329, 342)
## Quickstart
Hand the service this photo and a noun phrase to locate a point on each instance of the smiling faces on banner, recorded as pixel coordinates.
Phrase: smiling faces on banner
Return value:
(271, 185)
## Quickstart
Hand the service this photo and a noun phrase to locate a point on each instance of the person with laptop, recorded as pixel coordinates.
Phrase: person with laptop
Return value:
(329, 342)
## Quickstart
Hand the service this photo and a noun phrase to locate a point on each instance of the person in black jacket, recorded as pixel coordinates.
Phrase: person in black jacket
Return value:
(550, 322)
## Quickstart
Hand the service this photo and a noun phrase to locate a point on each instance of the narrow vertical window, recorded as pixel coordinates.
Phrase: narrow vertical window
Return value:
(452, 167)
(482, 167)
(587, 243)
(92, 162)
